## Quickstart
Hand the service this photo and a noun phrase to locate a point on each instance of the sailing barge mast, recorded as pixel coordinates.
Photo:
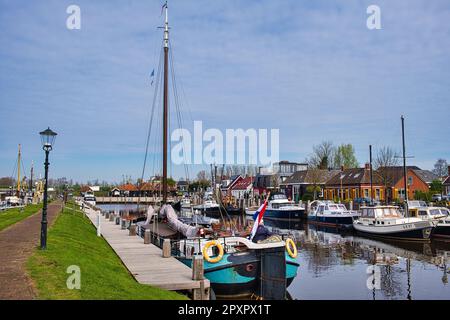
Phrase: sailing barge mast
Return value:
(165, 102)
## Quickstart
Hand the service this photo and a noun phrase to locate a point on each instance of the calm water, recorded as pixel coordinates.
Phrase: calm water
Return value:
(334, 265)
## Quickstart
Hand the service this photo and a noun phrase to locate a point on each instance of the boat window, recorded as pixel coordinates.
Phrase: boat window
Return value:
(422, 213)
(369, 212)
(321, 208)
(445, 211)
(435, 212)
(279, 197)
(332, 207)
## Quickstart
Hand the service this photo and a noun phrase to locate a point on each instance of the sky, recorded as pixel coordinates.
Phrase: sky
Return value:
(311, 69)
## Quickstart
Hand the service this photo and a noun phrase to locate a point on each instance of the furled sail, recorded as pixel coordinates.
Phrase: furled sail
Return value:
(168, 212)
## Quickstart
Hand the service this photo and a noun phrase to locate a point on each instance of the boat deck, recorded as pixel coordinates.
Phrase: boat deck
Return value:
(145, 261)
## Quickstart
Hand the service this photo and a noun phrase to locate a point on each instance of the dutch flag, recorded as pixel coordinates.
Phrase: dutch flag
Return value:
(257, 217)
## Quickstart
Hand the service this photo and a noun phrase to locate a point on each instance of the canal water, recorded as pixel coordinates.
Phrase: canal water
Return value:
(335, 265)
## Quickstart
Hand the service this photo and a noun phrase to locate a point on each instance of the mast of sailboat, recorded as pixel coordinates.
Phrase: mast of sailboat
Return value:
(371, 175)
(18, 172)
(166, 101)
(404, 167)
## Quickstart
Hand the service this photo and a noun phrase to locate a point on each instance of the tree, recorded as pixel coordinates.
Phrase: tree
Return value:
(6, 182)
(322, 155)
(386, 157)
(440, 168)
(344, 156)
(436, 186)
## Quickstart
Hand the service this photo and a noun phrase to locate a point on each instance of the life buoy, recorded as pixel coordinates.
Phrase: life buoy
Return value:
(292, 252)
(213, 243)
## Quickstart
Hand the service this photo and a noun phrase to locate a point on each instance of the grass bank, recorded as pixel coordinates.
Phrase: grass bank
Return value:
(14, 215)
(72, 240)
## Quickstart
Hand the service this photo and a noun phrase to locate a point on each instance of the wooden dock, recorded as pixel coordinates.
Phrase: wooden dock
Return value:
(145, 261)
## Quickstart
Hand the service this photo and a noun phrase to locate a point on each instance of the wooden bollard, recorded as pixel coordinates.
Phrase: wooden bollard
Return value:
(147, 236)
(111, 217)
(99, 225)
(132, 231)
(123, 224)
(197, 267)
(117, 220)
(166, 253)
(107, 215)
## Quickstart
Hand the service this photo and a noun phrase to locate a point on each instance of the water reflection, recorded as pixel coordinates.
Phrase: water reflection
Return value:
(334, 265)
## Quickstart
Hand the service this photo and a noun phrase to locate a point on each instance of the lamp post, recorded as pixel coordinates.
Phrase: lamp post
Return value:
(47, 138)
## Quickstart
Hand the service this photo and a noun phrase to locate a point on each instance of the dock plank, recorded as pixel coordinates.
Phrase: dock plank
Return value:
(145, 261)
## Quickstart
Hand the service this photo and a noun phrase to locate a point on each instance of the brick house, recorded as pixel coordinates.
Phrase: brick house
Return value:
(243, 189)
(446, 182)
(350, 184)
(417, 180)
(299, 183)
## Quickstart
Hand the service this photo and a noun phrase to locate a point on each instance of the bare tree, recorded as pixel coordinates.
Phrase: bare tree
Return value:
(322, 156)
(385, 158)
(440, 168)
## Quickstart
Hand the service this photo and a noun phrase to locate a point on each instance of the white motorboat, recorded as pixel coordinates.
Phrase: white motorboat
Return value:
(419, 209)
(388, 222)
(332, 214)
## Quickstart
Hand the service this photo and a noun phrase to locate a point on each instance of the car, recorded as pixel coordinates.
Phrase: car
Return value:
(436, 197)
(362, 200)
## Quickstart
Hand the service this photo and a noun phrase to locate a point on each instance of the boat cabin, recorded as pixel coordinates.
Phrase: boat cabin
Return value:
(381, 212)
(419, 209)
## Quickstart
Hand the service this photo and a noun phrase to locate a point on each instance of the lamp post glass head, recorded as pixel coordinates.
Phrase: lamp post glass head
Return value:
(48, 138)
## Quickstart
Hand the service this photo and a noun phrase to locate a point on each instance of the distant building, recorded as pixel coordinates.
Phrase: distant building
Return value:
(301, 182)
(417, 180)
(446, 182)
(285, 169)
(182, 186)
(350, 184)
(243, 189)
(226, 186)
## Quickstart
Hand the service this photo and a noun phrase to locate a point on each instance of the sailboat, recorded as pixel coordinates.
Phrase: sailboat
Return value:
(234, 265)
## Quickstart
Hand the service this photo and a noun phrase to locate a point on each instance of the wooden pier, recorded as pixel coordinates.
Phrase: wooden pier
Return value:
(125, 200)
(146, 262)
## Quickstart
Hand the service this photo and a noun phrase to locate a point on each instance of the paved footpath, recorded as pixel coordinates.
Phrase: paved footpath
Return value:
(17, 243)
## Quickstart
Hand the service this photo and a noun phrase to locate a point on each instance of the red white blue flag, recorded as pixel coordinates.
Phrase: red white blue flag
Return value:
(257, 217)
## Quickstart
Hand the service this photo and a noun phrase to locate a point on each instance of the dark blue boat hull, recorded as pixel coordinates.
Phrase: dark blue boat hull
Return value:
(284, 214)
(346, 222)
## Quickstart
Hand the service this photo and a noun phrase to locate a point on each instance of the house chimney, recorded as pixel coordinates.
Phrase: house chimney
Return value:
(367, 166)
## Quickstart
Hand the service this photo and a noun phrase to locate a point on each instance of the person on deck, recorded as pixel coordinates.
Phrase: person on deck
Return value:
(262, 233)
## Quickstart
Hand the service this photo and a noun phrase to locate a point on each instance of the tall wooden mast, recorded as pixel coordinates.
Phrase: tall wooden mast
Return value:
(18, 172)
(165, 102)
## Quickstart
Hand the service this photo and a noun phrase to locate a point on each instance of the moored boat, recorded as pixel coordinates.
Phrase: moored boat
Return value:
(331, 214)
(279, 207)
(388, 222)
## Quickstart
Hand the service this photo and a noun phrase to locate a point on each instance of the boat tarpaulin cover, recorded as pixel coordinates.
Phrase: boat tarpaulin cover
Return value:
(168, 212)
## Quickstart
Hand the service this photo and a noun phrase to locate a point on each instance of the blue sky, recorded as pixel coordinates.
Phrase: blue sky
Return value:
(310, 68)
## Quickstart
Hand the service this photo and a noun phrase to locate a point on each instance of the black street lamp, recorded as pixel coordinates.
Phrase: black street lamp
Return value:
(47, 138)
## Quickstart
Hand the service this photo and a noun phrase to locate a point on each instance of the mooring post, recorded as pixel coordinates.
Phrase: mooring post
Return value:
(197, 267)
(111, 217)
(123, 224)
(99, 231)
(117, 220)
(132, 231)
(351, 205)
(107, 215)
(147, 236)
(166, 253)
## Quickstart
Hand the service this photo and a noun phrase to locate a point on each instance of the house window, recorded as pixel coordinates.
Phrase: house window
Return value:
(377, 193)
(410, 180)
(366, 193)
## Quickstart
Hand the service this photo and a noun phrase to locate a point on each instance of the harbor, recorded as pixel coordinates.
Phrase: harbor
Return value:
(246, 155)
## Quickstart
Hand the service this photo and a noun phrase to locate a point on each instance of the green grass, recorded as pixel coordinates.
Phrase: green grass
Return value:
(11, 216)
(72, 240)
